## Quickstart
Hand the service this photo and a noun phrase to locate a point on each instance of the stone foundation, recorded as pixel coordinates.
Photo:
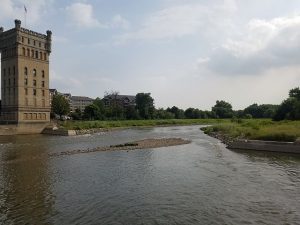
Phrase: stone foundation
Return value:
(22, 128)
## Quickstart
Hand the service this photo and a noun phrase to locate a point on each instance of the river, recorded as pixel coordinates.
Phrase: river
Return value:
(198, 183)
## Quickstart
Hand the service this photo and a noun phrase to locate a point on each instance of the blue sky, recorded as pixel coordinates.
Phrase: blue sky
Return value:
(184, 52)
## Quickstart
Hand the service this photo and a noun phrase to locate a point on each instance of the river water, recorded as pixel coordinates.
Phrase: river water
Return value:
(198, 183)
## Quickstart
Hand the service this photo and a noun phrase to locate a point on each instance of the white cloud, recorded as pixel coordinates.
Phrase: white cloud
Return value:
(14, 9)
(181, 20)
(59, 39)
(264, 45)
(81, 15)
(119, 22)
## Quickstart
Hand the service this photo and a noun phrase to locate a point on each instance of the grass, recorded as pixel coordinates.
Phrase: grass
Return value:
(257, 129)
(83, 125)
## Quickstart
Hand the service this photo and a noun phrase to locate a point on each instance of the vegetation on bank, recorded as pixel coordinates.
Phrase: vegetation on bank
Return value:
(144, 109)
(255, 129)
(83, 125)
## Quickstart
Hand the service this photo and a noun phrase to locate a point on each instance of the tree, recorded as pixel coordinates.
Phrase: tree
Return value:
(189, 113)
(222, 109)
(145, 105)
(92, 112)
(60, 105)
(289, 108)
(261, 111)
(179, 113)
(115, 109)
(295, 93)
(101, 109)
(77, 114)
(131, 113)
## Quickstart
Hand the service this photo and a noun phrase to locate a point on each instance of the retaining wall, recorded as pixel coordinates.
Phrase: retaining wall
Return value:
(272, 146)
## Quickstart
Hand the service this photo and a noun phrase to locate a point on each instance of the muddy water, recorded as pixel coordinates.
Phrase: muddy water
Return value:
(198, 183)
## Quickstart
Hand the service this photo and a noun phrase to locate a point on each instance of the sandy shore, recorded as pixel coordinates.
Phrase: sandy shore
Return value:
(142, 144)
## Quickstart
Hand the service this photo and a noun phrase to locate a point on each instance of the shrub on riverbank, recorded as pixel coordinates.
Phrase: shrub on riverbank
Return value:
(82, 125)
(256, 130)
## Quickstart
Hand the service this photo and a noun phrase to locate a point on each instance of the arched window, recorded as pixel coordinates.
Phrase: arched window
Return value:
(28, 52)
(36, 54)
(45, 56)
(32, 53)
(41, 55)
(25, 71)
(24, 51)
(34, 72)
(43, 74)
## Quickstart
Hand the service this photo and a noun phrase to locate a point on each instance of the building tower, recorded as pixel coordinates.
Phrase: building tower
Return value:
(25, 77)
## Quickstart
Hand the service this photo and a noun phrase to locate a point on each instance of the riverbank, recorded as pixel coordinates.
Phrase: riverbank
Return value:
(90, 125)
(266, 130)
(142, 144)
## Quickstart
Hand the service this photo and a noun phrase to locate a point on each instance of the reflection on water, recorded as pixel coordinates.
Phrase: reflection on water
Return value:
(199, 183)
(24, 188)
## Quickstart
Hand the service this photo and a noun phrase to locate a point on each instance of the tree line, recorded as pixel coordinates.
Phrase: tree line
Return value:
(144, 109)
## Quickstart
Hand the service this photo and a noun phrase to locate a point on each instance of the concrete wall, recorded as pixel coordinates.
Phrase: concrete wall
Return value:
(59, 132)
(272, 146)
(22, 128)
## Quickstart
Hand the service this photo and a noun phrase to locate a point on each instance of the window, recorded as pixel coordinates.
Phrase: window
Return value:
(34, 82)
(34, 92)
(43, 74)
(43, 92)
(34, 42)
(32, 53)
(45, 56)
(14, 81)
(25, 71)
(43, 83)
(41, 55)
(28, 41)
(24, 51)
(34, 72)
(26, 81)
(14, 70)
(28, 52)
(26, 91)
(4, 72)
(40, 44)
(36, 54)
(22, 39)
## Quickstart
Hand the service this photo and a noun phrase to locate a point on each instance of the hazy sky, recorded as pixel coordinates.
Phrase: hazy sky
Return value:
(184, 52)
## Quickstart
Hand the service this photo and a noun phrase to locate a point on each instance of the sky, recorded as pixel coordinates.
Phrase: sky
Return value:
(187, 53)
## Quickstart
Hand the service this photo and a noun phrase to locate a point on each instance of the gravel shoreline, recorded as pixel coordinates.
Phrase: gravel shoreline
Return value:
(141, 144)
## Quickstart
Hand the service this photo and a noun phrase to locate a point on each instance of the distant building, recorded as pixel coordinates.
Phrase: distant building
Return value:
(122, 100)
(79, 102)
(76, 102)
